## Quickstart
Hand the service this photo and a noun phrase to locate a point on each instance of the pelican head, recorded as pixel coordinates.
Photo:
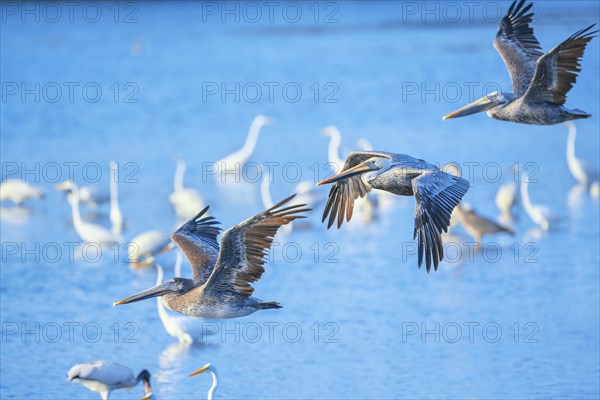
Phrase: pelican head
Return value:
(486, 103)
(175, 286)
(367, 169)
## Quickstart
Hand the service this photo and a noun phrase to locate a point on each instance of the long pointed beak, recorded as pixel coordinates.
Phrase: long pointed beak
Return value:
(155, 291)
(201, 370)
(483, 104)
(357, 169)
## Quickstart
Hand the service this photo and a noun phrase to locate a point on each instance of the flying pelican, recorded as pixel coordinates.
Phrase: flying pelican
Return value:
(186, 201)
(215, 379)
(220, 287)
(477, 225)
(19, 191)
(436, 192)
(148, 244)
(105, 376)
(581, 170)
(88, 232)
(540, 81)
(236, 160)
(116, 218)
(538, 213)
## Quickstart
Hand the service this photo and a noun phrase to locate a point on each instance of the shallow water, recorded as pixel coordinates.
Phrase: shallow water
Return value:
(518, 320)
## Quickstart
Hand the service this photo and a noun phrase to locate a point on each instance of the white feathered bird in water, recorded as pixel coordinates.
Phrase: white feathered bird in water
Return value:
(115, 216)
(215, 380)
(19, 191)
(186, 201)
(104, 377)
(505, 200)
(537, 212)
(584, 173)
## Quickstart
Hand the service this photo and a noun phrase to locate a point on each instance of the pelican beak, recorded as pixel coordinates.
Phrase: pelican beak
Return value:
(357, 169)
(155, 291)
(201, 370)
(483, 104)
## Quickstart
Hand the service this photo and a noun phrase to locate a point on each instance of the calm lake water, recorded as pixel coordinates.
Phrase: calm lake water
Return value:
(144, 83)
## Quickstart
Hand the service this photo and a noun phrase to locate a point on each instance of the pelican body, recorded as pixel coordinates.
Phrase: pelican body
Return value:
(540, 82)
(436, 192)
(104, 377)
(220, 287)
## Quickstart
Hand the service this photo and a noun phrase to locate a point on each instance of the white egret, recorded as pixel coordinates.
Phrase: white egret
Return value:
(215, 379)
(186, 201)
(88, 232)
(19, 191)
(116, 218)
(584, 173)
(506, 198)
(104, 377)
(537, 212)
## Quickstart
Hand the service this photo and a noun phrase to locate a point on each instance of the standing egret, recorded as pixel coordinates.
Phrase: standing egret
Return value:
(19, 191)
(540, 81)
(436, 192)
(116, 218)
(236, 160)
(220, 287)
(88, 232)
(538, 213)
(478, 225)
(584, 173)
(506, 198)
(186, 201)
(215, 379)
(104, 377)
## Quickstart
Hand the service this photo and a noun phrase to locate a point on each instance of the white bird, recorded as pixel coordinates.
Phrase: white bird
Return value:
(538, 213)
(186, 201)
(236, 160)
(584, 173)
(90, 195)
(88, 232)
(116, 218)
(364, 207)
(104, 377)
(506, 198)
(19, 191)
(215, 379)
(148, 244)
(182, 328)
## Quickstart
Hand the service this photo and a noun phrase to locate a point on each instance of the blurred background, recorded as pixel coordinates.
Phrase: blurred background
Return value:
(146, 83)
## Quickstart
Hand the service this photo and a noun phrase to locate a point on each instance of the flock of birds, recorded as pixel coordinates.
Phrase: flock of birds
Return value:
(223, 272)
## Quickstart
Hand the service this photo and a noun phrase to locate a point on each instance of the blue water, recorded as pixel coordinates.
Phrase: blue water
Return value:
(359, 319)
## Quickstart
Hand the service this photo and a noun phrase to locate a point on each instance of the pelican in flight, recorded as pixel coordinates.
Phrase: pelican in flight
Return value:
(215, 379)
(540, 81)
(88, 232)
(477, 225)
(148, 244)
(115, 216)
(220, 287)
(584, 173)
(105, 376)
(19, 191)
(236, 160)
(436, 193)
(186, 201)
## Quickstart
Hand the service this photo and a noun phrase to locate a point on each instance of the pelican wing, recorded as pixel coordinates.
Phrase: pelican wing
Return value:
(518, 46)
(197, 238)
(556, 71)
(245, 246)
(437, 194)
(341, 198)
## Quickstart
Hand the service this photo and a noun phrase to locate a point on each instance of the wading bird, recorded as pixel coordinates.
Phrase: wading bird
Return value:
(105, 376)
(148, 244)
(18, 191)
(90, 195)
(478, 225)
(185, 201)
(115, 216)
(88, 232)
(215, 380)
(236, 160)
(584, 173)
(537, 212)
(540, 81)
(505, 200)
(436, 193)
(220, 287)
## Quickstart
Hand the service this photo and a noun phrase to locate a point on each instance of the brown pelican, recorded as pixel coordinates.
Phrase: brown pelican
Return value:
(220, 287)
(19, 191)
(215, 380)
(436, 192)
(88, 232)
(105, 376)
(185, 201)
(115, 216)
(477, 225)
(540, 81)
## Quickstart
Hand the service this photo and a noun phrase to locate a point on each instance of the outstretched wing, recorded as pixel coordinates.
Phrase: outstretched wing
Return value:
(341, 198)
(557, 70)
(197, 238)
(437, 194)
(245, 246)
(518, 46)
